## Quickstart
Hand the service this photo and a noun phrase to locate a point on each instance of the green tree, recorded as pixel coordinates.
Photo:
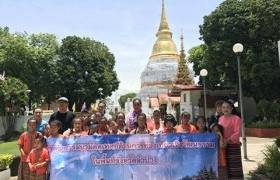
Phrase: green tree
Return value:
(84, 65)
(255, 24)
(13, 95)
(124, 97)
(31, 58)
(13, 99)
(44, 51)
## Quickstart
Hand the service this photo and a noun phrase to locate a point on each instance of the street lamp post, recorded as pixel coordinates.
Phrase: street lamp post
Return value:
(29, 101)
(203, 73)
(237, 49)
(100, 92)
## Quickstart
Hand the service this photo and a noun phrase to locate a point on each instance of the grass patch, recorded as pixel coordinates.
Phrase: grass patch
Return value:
(9, 148)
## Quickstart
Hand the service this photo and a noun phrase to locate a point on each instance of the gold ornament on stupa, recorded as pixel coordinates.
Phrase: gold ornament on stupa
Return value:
(164, 46)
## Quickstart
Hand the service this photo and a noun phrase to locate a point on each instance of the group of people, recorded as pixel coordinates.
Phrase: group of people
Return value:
(64, 123)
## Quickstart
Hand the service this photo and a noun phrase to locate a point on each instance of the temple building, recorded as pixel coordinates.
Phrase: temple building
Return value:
(167, 83)
(160, 73)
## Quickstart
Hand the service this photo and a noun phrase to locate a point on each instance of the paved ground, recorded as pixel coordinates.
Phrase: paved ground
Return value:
(255, 146)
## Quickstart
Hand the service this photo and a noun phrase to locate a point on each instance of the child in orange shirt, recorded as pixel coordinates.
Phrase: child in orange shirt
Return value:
(218, 129)
(26, 142)
(54, 129)
(186, 127)
(77, 128)
(201, 124)
(114, 127)
(169, 124)
(38, 160)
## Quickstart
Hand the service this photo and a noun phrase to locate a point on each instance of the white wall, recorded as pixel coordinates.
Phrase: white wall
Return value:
(249, 104)
(20, 122)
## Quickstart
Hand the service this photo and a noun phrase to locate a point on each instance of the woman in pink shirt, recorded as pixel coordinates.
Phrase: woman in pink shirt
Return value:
(232, 126)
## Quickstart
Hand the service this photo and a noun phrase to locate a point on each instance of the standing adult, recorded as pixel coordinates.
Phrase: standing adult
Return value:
(186, 127)
(131, 117)
(215, 117)
(41, 124)
(63, 115)
(232, 126)
(102, 109)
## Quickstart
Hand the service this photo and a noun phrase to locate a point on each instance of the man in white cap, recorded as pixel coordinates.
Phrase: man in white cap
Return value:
(63, 115)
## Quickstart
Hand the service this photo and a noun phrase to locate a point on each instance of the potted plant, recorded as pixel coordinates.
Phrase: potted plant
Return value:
(5, 161)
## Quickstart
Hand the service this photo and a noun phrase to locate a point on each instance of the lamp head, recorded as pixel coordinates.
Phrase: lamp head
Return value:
(237, 48)
(203, 72)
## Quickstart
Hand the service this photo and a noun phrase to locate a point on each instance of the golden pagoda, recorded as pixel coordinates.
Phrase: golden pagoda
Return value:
(164, 46)
(160, 72)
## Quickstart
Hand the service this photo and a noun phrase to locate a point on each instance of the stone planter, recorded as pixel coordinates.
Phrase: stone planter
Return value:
(263, 133)
(5, 175)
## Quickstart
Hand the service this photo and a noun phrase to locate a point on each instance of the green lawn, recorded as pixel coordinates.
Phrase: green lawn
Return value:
(9, 148)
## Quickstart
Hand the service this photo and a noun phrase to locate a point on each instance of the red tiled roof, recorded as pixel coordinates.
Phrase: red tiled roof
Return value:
(177, 88)
(163, 99)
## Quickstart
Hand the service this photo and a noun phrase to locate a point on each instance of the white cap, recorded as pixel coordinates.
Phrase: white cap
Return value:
(62, 99)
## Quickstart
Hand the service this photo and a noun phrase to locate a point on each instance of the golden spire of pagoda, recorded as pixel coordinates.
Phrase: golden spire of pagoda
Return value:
(164, 45)
(183, 73)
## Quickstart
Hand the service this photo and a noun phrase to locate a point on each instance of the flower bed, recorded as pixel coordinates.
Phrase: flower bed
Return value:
(5, 162)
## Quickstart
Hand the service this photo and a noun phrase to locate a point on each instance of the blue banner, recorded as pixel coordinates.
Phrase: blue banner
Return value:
(134, 157)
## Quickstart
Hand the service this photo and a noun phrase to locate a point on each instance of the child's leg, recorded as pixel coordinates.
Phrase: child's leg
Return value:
(34, 176)
(23, 171)
(222, 173)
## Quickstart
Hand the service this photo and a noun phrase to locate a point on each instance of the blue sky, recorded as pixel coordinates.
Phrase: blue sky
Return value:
(127, 27)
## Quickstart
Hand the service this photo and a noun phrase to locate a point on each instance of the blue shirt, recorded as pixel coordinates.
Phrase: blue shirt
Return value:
(41, 126)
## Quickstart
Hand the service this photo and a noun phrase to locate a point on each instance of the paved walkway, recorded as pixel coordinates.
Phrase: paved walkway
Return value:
(255, 146)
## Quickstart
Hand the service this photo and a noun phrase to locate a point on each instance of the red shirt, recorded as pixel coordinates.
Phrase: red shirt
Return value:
(25, 144)
(167, 130)
(82, 133)
(189, 129)
(43, 156)
(232, 128)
